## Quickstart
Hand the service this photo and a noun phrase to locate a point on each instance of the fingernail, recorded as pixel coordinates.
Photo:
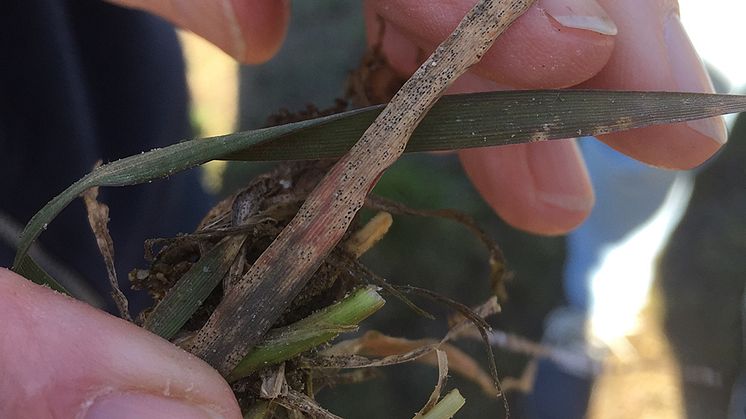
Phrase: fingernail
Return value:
(560, 176)
(690, 75)
(145, 406)
(580, 14)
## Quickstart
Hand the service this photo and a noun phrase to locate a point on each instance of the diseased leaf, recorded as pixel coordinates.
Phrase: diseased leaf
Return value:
(98, 219)
(279, 274)
(455, 122)
(507, 117)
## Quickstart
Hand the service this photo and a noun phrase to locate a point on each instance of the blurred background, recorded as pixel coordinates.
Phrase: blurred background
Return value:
(667, 312)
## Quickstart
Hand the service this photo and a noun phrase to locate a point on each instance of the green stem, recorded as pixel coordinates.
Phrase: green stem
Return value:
(447, 407)
(284, 343)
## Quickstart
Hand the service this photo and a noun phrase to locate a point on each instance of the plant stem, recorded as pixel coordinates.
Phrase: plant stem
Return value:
(447, 407)
(284, 343)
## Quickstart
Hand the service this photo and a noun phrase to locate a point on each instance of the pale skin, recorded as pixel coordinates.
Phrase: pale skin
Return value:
(87, 362)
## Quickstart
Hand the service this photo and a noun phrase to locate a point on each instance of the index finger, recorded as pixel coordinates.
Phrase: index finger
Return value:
(653, 52)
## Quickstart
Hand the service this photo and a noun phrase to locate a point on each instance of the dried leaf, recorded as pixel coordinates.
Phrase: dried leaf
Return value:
(392, 351)
(273, 383)
(442, 376)
(478, 322)
(367, 237)
(578, 362)
(459, 324)
(524, 383)
(98, 219)
(295, 400)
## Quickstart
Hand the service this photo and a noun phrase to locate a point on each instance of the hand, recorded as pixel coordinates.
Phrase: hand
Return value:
(62, 358)
(249, 30)
(621, 45)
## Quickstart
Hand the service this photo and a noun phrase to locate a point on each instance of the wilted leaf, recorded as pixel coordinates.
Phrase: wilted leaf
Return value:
(98, 219)
(442, 376)
(274, 384)
(295, 400)
(390, 350)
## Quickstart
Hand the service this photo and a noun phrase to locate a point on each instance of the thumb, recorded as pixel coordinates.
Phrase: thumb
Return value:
(61, 358)
(249, 30)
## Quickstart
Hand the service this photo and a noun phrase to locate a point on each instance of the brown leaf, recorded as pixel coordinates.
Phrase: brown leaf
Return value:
(295, 400)
(393, 350)
(442, 376)
(98, 219)
(367, 237)
(273, 383)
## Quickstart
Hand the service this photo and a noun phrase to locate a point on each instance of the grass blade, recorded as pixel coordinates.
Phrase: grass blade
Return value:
(459, 121)
(193, 287)
(28, 268)
(503, 118)
(144, 167)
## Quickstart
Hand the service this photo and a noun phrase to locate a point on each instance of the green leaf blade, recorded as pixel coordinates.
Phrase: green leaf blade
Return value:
(185, 297)
(30, 269)
(148, 166)
(310, 332)
(503, 118)
(455, 122)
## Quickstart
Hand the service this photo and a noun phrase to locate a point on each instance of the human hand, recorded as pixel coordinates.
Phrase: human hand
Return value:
(249, 30)
(620, 45)
(64, 359)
